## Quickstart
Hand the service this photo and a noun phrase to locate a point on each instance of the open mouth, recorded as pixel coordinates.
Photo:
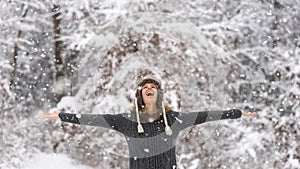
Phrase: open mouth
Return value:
(150, 94)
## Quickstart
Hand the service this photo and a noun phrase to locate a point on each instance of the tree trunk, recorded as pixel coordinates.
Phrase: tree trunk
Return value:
(59, 74)
(57, 41)
(16, 51)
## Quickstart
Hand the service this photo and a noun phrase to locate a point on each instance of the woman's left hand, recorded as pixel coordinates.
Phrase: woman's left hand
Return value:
(249, 114)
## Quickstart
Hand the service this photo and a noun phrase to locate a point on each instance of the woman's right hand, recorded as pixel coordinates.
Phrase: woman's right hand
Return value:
(53, 115)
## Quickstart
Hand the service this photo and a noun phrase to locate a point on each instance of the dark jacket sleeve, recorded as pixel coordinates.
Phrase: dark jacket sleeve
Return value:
(189, 119)
(98, 120)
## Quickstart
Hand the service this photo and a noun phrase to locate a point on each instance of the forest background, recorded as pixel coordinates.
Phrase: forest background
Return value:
(84, 56)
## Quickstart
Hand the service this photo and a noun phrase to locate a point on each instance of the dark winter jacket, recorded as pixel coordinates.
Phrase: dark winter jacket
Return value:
(152, 149)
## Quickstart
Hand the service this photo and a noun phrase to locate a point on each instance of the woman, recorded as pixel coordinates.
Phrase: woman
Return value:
(151, 128)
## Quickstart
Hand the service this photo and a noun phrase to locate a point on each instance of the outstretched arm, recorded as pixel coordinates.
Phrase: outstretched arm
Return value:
(194, 118)
(83, 119)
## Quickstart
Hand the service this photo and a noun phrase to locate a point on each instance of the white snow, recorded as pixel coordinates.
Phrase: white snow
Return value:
(51, 161)
(254, 41)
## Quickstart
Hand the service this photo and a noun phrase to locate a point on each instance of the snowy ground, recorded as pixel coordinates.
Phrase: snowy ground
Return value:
(51, 161)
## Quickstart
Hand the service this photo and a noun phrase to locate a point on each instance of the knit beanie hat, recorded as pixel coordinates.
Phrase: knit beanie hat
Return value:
(139, 103)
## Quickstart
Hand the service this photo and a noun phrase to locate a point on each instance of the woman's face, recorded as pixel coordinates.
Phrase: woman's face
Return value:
(149, 93)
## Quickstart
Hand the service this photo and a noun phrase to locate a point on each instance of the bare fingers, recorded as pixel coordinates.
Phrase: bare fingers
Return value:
(249, 114)
(53, 115)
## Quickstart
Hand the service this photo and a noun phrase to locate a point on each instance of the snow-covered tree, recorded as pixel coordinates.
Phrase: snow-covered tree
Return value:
(84, 56)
